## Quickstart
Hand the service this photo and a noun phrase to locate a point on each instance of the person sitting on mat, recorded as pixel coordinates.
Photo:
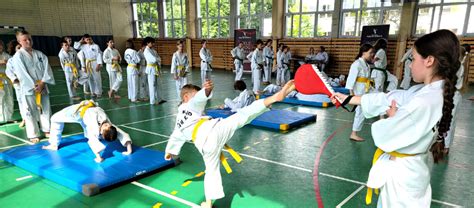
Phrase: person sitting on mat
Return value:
(211, 135)
(96, 126)
(273, 88)
(245, 98)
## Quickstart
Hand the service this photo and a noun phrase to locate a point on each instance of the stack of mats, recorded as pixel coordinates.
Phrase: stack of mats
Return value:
(273, 119)
(73, 164)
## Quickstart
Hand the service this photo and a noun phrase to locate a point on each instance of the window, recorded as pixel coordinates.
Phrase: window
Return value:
(358, 13)
(213, 17)
(255, 14)
(308, 18)
(145, 18)
(454, 15)
(174, 15)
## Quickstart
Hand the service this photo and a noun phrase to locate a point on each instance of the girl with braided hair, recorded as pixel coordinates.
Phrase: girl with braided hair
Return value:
(418, 120)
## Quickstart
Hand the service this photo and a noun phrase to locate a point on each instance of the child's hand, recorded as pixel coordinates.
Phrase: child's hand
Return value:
(126, 153)
(98, 159)
(339, 96)
(393, 109)
(208, 86)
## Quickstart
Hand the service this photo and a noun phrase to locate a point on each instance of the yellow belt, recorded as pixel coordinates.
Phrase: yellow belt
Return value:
(377, 154)
(181, 70)
(38, 97)
(133, 66)
(222, 158)
(73, 67)
(116, 66)
(366, 81)
(157, 68)
(3, 76)
(83, 106)
(89, 65)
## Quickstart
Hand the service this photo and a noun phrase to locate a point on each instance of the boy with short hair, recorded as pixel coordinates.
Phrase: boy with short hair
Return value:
(211, 135)
(153, 71)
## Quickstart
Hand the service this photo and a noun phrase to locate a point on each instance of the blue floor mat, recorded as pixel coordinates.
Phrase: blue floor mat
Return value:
(324, 103)
(342, 90)
(73, 164)
(273, 119)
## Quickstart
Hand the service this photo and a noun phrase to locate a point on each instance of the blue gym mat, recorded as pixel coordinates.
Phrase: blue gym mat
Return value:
(273, 119)
(73, 164)
(342, 90)
(323, 104)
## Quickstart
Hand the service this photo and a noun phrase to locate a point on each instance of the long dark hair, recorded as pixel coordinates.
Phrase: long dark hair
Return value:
(363, 48)
(443, 45)
(380, 44)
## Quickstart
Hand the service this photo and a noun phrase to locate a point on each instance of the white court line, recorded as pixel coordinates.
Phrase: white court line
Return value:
(156, 143)
(137, 129)
(8, 147)
(15, 137)
(24, 178)
(445, 203)
(350, 197)
(165, 194)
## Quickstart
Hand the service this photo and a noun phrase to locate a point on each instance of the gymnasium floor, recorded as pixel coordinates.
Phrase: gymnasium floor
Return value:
(276, 170)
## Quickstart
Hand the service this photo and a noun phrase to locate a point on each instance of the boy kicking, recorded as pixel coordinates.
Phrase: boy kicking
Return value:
(210, 135)
(96, 126)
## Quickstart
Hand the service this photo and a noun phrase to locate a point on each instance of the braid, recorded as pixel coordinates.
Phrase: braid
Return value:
(446, 54)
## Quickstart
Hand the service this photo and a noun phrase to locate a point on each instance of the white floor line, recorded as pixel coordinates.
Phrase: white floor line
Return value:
(342, 178)
(445, 203)
(8, 147)
(149, 132)
(156, 143)
(24, 178)
(350, 197)
(15, 137)
(165, 194)
(151, 119)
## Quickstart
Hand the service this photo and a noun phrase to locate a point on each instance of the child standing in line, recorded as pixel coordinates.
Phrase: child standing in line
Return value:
(13, 47)
(206, 60)
(279, 64)
(90, 56)
(6, 90)
(238, 56)
(143, 89)
(211, 135)
(153, 71)
(33, 74)
(358, 83)
(180, 67)
(284, 66)
(245, 98)
(267, 69)
(258, 60)
(379, 72)
(112, 58)
(400, 168)
(406, 60)
(133, 79)
(70, 64)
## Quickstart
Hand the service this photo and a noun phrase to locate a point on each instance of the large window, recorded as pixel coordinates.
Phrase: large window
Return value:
(174, 15)
(213, 18)
(454, 15)
(255, 14)
(145, 18)
(358, 13)
(309, 18)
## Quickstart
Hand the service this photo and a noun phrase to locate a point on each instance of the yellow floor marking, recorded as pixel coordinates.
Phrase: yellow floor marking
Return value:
(199, 174)
(157, 205)
(174, 192)
(186, 183)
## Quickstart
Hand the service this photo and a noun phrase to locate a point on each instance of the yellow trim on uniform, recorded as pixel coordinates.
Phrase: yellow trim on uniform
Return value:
(3, 76)
(284, 127)
(377, 154)
(133, 66)
(116, 65)
(83, 106)
(366, 81)
(38, 97)
(257, 97)
(222, 158)
(181, 71)
(157, 68)
(73, 67)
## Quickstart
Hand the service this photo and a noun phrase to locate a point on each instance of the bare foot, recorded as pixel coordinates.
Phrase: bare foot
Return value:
(35, 140)
(50, 147)
(98, 159)
(117, 96)
(22, 124)
(289, 86)
(356, 138)
(111, 93)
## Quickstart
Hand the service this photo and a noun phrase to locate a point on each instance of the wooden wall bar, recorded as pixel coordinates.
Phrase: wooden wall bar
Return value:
(341, 52)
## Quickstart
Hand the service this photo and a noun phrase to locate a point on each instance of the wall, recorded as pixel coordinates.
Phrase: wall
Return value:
(71, 17)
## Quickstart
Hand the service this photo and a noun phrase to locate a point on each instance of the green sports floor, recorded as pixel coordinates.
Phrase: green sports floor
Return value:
(277, 170)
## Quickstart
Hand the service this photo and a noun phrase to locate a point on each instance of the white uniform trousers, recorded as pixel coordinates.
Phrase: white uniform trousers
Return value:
(154, 88)
(257, 79)
(239, 70)
(133, 83)
(179, 84)
(205, 75)
(34, 118)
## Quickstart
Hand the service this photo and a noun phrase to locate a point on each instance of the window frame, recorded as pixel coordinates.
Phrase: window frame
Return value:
(261, 14)
(358, 21)
(469, 6)
(208, 19)
(172, 20)
(300, 13)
